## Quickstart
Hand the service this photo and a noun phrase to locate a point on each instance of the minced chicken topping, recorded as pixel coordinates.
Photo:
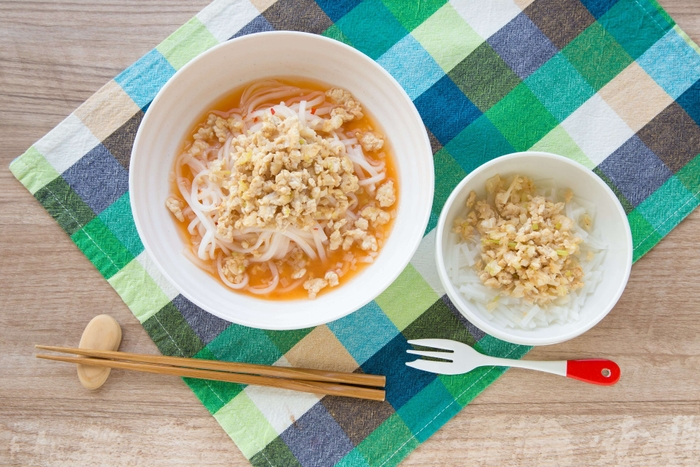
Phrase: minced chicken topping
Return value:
(528, 249)
(289, 174)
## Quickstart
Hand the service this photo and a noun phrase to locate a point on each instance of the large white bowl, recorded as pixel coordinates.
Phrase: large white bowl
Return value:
(610, 218)
(215, 73)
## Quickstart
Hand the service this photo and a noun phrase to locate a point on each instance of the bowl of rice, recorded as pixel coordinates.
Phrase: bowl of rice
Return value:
(533, 248)
(281, 180)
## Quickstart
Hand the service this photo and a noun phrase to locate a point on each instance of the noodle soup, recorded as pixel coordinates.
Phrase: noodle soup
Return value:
(284, 189)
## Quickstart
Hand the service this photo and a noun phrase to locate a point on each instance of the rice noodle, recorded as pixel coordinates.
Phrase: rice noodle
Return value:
(200, 168)
(517, 313)
(273, 283)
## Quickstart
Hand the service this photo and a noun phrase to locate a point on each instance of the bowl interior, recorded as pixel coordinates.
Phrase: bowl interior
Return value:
(610, 217)
(219, 71)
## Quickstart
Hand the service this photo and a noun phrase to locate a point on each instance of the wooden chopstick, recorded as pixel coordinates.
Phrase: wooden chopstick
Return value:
(359, 379)
(299, 379)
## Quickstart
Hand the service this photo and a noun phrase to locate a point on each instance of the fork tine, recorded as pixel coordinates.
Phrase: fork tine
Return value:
(444, 368)
(443, 344)
(427, 353)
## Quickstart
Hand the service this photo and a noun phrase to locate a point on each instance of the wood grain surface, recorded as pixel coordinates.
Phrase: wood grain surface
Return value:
(53, 56)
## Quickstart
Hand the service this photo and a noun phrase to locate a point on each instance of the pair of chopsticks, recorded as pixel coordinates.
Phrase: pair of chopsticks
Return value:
(357, 385)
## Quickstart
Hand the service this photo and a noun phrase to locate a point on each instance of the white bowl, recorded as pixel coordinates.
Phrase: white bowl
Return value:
(214, 74)
(610, 218)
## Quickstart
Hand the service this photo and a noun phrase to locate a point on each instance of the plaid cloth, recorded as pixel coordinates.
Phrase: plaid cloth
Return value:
(614, 85)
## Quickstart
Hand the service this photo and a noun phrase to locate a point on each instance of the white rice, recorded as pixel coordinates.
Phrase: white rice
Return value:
(514, 312)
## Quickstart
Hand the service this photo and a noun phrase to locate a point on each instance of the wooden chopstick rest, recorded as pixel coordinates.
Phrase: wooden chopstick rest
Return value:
(102, 337)
(102, 333)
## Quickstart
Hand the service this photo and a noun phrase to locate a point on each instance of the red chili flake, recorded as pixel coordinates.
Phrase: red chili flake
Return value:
(255, 119)
(313, 111)
(272, 110)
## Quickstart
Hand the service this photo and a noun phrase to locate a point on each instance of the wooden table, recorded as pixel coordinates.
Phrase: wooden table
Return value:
(53, 56)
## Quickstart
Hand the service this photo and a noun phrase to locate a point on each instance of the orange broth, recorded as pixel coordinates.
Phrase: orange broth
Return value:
(315, 268)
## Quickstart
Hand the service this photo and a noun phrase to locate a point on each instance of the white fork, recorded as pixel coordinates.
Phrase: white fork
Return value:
(461, 358)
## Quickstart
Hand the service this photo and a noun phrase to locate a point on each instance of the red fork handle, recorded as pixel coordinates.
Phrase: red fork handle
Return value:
(594, 370)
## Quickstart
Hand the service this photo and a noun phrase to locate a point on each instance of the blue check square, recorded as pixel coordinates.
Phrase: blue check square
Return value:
(336, 9)
(690, 101)
(319, 429)
(598, 7)
(258, 24)
(402, 382)
(204, 324)
(446, 110)
(635, 170)
(412, 66)
(522, 46)
(378, 330)
(672, 63)
(98, 178)
(142, 80)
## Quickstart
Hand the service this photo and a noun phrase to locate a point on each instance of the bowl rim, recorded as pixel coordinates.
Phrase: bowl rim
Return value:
(487, 326)
(388, 279)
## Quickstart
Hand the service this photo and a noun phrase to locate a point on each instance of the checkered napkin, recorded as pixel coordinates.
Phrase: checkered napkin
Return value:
(614, 85)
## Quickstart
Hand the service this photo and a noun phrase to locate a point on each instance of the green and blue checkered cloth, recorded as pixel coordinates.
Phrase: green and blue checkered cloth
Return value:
(612, 84)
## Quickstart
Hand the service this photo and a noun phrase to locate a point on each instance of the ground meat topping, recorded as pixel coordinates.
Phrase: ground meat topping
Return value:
(528, 248)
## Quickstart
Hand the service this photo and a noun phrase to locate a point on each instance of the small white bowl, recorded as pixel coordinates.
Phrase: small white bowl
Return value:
(215, 73)
(610, 218)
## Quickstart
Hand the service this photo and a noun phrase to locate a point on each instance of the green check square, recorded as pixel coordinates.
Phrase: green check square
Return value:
(406, 298)
(391, 438)
(657, 11)
(353, 459)
(559, 87)
(334, 32)
(626, 205)
(521, 118)
(447, 37)
(630, 23)
(64, 205)
(668, 205)
(597, 56)
(644, 237)
(477, 144)
(465, 387)
(138, 290)
(689, 175)
(411, 14)
(190, 40)
(239, 419)
(243, 344)
(428, 410)
(276, 453)
(448, 174)
(213, 394)
(172, 334)
(432, 222)
(285, 340)
(102, 248)
(119, 220)
(32, 170)
(438, 322)
(484, 77)
(559, 142)
(489, 345)
(371, 28)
